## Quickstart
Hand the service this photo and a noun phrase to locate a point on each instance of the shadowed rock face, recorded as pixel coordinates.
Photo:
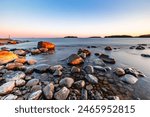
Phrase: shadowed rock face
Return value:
(47, 45)
(6, 57)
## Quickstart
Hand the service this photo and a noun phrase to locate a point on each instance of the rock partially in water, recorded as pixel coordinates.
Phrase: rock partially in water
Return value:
(75, 70)
(134, 72)
(130, 79)
(20, 52)
(56, 67)
(6, 56)
(7, 88)
(145, 55)
(107, 59)
(83, 55)
(41, 68)
(140, 47)
(89, 69)
(47, 45)
(66, 82)
(35, 95)
(14, 75)
(43, 50)
(99, 62)
(99, 68)
(32, 61)
(13, 66)
(119, 71)
(20, 60)
(92, 79)
(109, 48)
(75, 59)
(62, 94)
(35, 51)
(48, 91)
(32, 82)
(83, 50)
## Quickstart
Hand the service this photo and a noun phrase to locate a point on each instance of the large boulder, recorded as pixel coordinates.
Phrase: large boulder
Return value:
(6, 56)
(47, 45)
(75, 59)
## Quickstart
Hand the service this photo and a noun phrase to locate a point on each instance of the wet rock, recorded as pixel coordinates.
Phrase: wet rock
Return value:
(20, 82)
(75, 70)
(57, 73)
(2, 67)
(13, 66)
(130, 79)
(92, 79)
(14, 75)
(89, 69)
(43, 50)
(145, 55)
(108, 48)
(119, 71)
(66, 82)
(99, 62)
(83, 55)
(35, 51)
(75, 59)
(99, 68)
(10, 97)
(36, 88)
(31, 61)
(62, 94)
(20, 60)
(35, 95)
(140, 47)
(7, 87)
(79, 84)
(132, 47)
(134, 72)
(56, 67)
(98, 96)
(29, 70)
(47, 45)
(41, 68)
(84, 94)
(83, 50)
(89, 87)
(48, 91)
(20, 52)
(32, 82)
(109, 60)
(6, 56)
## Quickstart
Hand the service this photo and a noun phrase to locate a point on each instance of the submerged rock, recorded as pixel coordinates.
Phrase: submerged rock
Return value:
(7, 87)
(62, 94)
(92, 79)
(6, 56)
(75, 59)
(119, 71)
(130, 79)
(98, 62)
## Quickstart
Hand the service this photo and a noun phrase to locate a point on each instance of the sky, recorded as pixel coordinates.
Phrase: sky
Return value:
(83, 18)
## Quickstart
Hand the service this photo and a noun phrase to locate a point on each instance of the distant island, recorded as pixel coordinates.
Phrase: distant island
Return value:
(70, 37)
(95, 37)
(144, 36)
(119, 36)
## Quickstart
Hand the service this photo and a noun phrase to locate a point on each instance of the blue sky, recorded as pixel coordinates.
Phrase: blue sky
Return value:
(57, 18)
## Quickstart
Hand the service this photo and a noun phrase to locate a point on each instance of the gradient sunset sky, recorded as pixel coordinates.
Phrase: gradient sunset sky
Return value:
(83, 18)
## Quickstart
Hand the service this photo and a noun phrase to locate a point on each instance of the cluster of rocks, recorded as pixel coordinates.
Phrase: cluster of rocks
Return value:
(77, 80)
(139, 47)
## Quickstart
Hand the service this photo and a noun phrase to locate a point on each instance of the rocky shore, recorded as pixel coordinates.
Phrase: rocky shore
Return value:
(77, 78)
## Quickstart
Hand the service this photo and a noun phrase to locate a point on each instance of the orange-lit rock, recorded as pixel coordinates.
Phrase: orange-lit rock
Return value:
(47, 45)
(13, 66)
(74, 59)
(21, 60)
(6, 56)
(13, 42)
(83, 50)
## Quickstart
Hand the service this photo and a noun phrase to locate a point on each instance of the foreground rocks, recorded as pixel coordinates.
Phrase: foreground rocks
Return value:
(6, 56)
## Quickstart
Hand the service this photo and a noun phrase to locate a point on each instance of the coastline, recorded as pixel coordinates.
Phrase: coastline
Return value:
(109, 81)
